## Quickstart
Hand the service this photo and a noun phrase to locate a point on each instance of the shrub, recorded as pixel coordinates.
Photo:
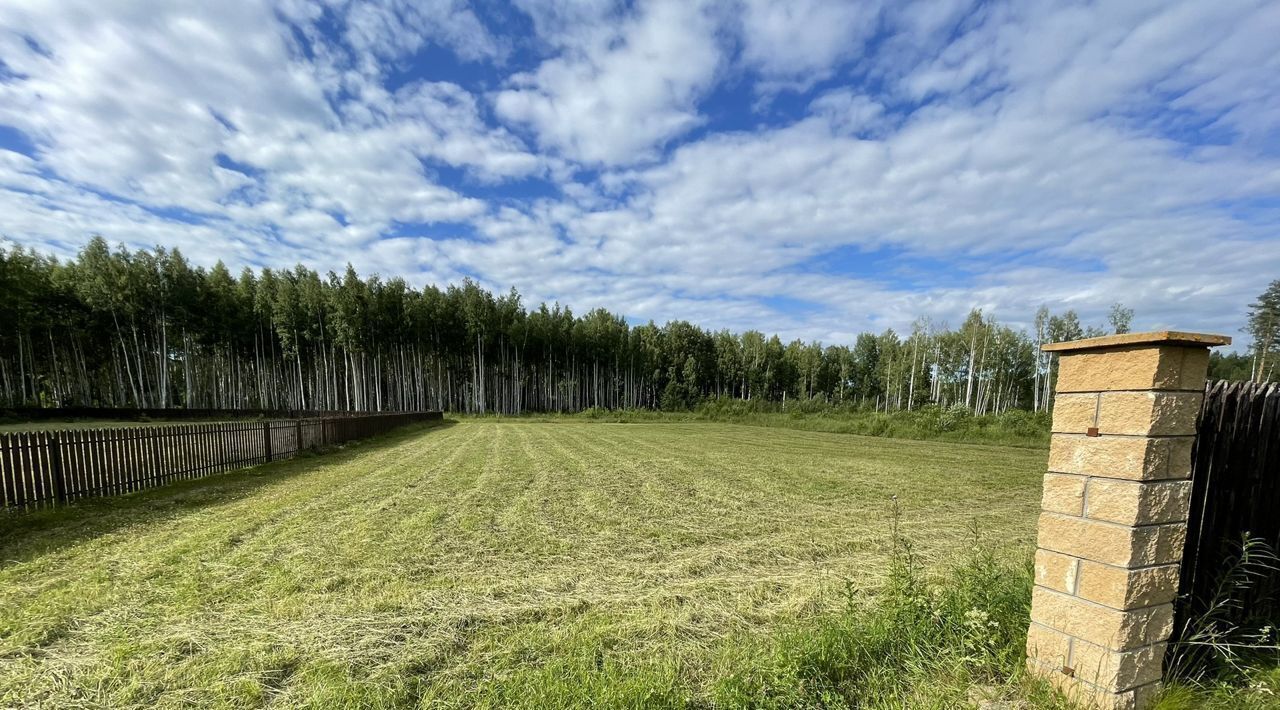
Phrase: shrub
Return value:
(1023, 422)
(954, 418)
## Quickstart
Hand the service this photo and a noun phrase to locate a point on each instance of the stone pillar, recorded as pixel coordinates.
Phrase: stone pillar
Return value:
(1113, 516)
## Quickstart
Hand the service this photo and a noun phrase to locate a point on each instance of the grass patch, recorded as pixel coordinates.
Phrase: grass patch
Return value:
(478, 561)
(940, 642)
(1258, 690)
(955, 424)
(522, 564)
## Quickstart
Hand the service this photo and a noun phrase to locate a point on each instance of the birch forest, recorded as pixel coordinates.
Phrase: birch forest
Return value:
(147, 329)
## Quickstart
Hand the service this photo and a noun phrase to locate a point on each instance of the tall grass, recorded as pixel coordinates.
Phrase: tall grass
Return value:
(913, 640)
(1222, 636)
(1227, 655)
(920, 642)
(957, 639)
(929, 423)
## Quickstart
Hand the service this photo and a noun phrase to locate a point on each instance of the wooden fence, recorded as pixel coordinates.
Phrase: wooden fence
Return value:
(53, 467)
(1235, 489)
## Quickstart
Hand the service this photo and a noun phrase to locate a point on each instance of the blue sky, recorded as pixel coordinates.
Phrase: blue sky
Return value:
(813, 168)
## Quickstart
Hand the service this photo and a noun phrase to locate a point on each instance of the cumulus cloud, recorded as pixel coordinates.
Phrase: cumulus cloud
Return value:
(800, 42)
(394, 29)
(619, 87)
(213, 108)
(814, 169)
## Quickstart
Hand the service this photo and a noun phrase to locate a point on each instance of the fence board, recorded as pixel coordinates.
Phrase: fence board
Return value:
(26, 467)
(45, 468)
(1235, 490)
(21, 467)
(10, 470)
(126, 459)
(111, 461)
(189, 452)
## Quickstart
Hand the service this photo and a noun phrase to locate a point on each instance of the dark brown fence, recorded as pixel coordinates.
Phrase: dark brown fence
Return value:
(51, 467)
(1235, 490)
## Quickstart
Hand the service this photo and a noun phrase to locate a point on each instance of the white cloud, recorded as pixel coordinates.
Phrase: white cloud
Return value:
(1010, 173)
(849, 112)
(619, 87)
(800, 42)
(955, 154)
(394, 29)
(123, 100)
(144, 104)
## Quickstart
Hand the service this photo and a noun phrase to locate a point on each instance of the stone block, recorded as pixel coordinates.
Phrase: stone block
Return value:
(1075, 413)
(1101, 625)
(1133, 368)
(1179, 456)
(1063, 493)
(1048, 647)
(1122, 588)
(1112, 543)
(1195, 368)
(1127, 457)
(1136, 502)
(1116, 671)
(1056, 571)
(1148, 413)
(1090, 697)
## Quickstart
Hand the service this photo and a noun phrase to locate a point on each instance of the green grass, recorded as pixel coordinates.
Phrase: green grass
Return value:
(1260, 690)
(473, 562)
(927, 423)
(956, 424)
(535, 564)
(1014, 427)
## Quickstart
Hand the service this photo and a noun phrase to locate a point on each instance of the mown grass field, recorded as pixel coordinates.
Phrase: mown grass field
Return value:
(484, 563)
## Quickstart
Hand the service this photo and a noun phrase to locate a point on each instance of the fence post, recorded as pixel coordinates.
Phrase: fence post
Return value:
(1113, 514)
(55, 468)
(266, 438)
(297, 435)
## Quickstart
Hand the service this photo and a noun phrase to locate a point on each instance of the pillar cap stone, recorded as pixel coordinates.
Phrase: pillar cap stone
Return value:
(1153, 338)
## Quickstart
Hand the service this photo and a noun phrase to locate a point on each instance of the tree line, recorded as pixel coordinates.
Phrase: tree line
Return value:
(121, 328)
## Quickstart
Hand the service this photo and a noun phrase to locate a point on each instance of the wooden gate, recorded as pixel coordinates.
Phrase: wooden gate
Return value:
(1235, 490)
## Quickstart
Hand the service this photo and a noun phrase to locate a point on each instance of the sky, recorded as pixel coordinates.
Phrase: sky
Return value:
(814, 168)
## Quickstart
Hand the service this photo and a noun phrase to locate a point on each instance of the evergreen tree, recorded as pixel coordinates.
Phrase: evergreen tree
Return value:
(1264, 327)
